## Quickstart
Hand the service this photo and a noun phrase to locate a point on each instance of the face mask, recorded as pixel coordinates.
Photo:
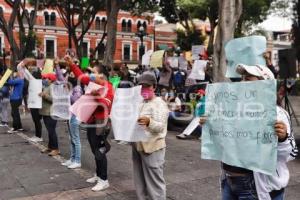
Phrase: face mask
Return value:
(147, 93)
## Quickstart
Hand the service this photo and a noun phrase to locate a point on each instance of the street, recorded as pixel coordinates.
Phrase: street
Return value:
(27, 174)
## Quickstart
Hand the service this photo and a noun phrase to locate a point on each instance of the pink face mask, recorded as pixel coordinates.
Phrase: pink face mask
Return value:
(147, 93)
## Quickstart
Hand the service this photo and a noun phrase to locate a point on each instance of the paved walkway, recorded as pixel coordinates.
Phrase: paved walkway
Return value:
(26, 174)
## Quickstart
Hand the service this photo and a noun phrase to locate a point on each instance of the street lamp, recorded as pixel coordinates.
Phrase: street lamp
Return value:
(141, 34)
(178, 51)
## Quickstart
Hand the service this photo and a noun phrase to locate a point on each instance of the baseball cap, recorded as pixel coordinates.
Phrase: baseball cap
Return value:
(49, 76)
(255, 70)
(147, 78)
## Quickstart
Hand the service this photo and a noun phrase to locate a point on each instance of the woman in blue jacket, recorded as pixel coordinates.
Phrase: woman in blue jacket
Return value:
(16, 97)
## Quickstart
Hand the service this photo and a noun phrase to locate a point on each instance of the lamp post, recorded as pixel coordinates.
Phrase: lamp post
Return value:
(141, 34)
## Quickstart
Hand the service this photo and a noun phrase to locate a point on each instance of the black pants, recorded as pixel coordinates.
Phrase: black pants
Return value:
(36, 117)
(51, 128)
(97, 144)
(15, 113)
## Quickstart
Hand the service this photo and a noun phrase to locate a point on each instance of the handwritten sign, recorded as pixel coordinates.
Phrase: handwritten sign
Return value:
(61, 101)
(246, 50)
(84, 107)
(198, 70)
(146, 58)
(156, 59)
(34, 89)
(48, 67)
(182, 63)
(125, 113)
(173, 62)
(5, 77)
(197, 50)
(240, 127)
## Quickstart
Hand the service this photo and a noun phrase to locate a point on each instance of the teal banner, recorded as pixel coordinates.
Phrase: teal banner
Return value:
(239, 130)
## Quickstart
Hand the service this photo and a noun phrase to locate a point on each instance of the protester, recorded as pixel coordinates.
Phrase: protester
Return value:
(16, 101)
(149, 157)
(97, 129)
(240, 183)
(35, 112)
(50, 123)
(165, 76)
(199, 111)
(73, 124)
(4, 105)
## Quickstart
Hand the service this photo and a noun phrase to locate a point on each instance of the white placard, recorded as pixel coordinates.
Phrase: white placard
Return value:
(34, 89)
(125, 113)
(146, 58)
(197, 50)
(198, 71)
(192, 126)
(173, 61)
(61, 101)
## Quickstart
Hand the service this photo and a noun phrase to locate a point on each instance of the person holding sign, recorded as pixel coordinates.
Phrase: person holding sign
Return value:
(16, 101)
(97, 126)
(45, 112)
(240, 183)
(149, 157)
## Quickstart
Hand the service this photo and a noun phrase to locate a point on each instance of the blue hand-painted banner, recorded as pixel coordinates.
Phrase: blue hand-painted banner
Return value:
(246, 50)
(239, 130)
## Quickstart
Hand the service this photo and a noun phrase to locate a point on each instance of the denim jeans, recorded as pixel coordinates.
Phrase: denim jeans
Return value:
(239, 188)
(75, 140)
(279, 196)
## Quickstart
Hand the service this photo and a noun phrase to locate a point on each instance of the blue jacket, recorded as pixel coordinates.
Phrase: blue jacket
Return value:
(18, 85)
(4, 92)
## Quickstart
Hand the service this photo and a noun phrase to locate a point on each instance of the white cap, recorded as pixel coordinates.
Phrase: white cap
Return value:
(255, 70)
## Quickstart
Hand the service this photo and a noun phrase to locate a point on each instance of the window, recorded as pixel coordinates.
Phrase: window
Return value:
(101, 51)
(50, 20)
(50, 49)
(139, 24)
(127, 52)
(97, 23)
(141, 50)
(124, 25)
(53, 19)
(129, 26)
(100, 23)
(85, 49)
(145, 26)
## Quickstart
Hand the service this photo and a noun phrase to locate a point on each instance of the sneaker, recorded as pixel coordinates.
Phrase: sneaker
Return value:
(66, 163)
(181, 136)
(46, 150)
(36, 139)
(74, 165)
(4, 124)
(54, 153)
(20, 129)
(12, 130)
(94, 179)
(101, 185)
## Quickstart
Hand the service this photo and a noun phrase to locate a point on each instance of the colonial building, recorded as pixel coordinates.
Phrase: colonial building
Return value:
(52, 36)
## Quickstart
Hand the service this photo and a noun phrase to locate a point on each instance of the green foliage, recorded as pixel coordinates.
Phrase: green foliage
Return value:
(187, 39)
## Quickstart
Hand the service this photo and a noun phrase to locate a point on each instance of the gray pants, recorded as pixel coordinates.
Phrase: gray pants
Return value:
(4, 105)
(148, 174)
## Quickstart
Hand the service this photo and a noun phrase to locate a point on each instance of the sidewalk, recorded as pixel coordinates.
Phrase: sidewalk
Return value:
(26, 174)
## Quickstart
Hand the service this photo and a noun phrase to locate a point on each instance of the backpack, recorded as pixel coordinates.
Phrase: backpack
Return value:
(178, 78)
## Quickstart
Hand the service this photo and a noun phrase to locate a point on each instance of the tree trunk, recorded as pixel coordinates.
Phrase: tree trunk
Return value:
(112, 10)
(229, 13)
(210, 47)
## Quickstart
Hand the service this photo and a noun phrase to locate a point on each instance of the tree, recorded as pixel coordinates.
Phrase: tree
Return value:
(113, 7)
(184, 11)
(254, 12)
(229, 14)
(76, 15)
(23, 45)
(296, 28)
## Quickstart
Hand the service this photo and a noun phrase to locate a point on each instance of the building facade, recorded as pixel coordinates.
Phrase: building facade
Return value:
(52, 36)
